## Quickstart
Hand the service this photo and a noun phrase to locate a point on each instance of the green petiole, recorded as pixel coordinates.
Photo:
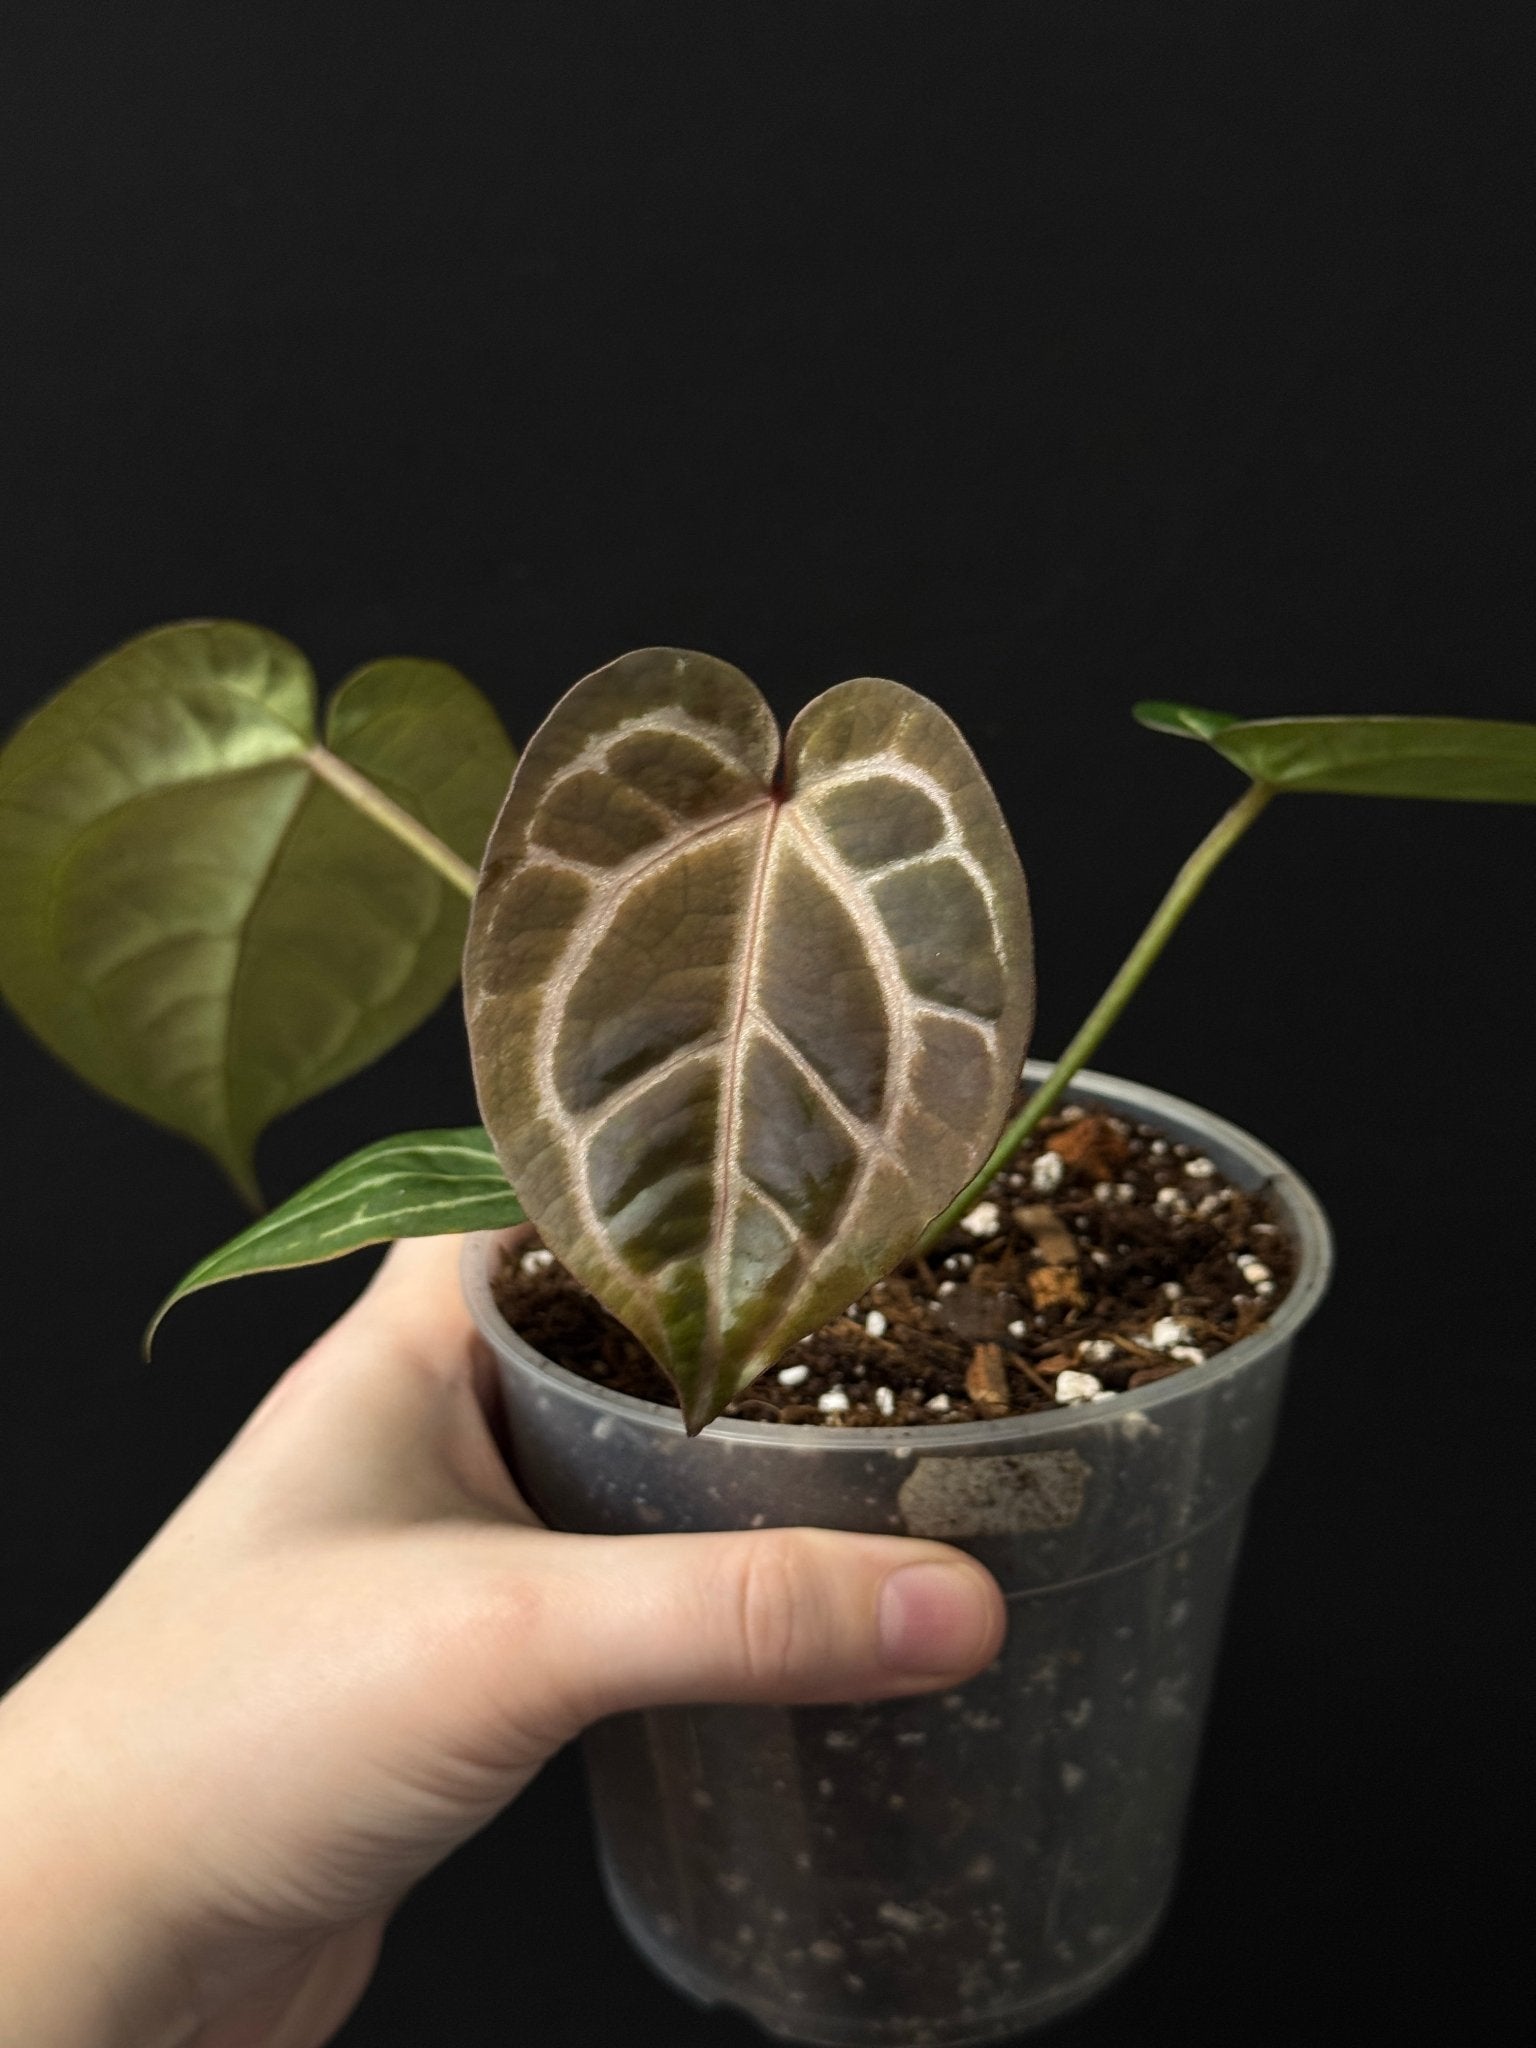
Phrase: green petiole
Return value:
(1186, 886)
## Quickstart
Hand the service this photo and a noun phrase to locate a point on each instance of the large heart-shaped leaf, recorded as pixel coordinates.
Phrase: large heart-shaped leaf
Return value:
(211, 915)
(742, 1021)
(1472, 760)
(418, 1185)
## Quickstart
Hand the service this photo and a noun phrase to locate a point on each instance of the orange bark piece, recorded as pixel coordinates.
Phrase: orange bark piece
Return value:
(1092, 1147)
(986, 1379)
(1055, 1287)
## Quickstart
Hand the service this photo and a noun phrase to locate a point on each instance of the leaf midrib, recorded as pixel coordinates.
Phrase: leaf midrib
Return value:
(307, 787)
(726, 1142)
(309, 781)
(60, 872)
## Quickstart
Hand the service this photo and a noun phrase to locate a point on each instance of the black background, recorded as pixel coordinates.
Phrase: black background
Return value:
(1043, 356)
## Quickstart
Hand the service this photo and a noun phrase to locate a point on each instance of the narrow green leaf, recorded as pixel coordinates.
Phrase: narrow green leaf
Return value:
(1184, 721)
(743, 1017)
(417, 1185)
(1474, 760)
(195, 912)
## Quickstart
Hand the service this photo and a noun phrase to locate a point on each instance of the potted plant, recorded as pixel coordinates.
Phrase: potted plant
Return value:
(746, 1020)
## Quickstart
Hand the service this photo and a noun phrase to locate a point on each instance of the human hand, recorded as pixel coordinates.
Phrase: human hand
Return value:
(346, 1651)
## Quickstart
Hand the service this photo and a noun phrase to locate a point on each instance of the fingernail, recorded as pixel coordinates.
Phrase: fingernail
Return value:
(935, 1617)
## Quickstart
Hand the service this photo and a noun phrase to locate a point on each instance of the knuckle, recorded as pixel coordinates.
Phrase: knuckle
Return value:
(776, 1604)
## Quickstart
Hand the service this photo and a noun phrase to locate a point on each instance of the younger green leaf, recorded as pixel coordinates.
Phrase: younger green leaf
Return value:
(1184, 721)
(417, 1185)
(1472, 760)
(210, 914)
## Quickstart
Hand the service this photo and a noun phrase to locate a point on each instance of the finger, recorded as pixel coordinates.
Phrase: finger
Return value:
(417, 1297)
(788, 1615)
(393, 1412)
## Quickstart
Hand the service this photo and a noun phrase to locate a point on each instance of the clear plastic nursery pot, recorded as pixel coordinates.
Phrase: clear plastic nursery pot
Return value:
(959, 1868)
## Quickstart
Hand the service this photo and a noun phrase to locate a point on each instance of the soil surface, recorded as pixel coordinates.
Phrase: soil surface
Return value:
(1107, 1256)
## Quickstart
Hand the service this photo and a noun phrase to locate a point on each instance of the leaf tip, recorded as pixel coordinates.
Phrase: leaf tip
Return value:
(152, 1328)
(1184, 721)
(239, 1169)
(697, 1416)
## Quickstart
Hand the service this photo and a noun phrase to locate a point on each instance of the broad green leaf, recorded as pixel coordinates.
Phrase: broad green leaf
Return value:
(1185, 721)
(209, 914)
(418, 1185)
(743, 1019)
(1477, 760)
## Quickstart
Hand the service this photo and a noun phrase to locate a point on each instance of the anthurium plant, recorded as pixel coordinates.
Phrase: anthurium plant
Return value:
(746, 1012)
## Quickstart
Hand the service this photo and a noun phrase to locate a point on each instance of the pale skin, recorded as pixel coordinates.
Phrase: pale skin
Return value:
(346, 1651)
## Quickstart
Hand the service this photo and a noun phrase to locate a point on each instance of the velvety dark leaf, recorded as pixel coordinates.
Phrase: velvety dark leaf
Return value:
(741, 1025)
(211, 915)
(418, 1185)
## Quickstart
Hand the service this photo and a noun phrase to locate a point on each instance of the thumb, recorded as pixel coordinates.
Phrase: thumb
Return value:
(788, 1615)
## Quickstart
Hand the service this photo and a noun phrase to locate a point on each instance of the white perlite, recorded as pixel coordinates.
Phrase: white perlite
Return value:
(794, 1375)
(1253, 1271)
(1097, 1350)
(1187, 1354)
(985, 1220)
(1047, 1173)
(1016, 1330)
(538, 1261)
(834, 1402)
(1199, 1168)
(1169, 1202)
(1166, 1332)
(939, 1404)
(875, 1324)
(885, 1400)
(1077, 1386)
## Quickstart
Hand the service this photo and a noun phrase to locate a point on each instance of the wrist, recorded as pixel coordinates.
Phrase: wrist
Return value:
(88, 1950)
(73, 1977)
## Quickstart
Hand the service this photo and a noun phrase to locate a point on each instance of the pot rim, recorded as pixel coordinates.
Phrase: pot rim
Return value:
(1305, 1216)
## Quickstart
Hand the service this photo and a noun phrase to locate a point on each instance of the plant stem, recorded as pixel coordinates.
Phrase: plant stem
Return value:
(1187, 884)
(394, 818)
